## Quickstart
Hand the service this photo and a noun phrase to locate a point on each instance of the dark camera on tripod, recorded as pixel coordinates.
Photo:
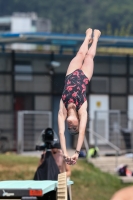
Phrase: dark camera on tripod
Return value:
(47, 138)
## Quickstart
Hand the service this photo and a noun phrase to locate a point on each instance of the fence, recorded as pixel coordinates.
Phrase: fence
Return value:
(115, 126)
(29, 126)
(21, 131)
(8, 132)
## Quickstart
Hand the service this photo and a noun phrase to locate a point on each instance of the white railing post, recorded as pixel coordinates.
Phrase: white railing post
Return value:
(20, 139)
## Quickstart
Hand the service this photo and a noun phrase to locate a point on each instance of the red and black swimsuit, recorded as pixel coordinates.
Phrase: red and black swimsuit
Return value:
(75, 89)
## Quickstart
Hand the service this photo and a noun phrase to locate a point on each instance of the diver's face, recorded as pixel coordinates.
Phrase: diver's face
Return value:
(73, 129)
(73, 124)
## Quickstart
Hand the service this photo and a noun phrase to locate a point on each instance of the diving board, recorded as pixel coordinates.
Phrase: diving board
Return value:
(28, 188)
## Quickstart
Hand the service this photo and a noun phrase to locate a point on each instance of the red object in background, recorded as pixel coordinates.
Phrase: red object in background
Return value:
(19, 103)
(128, 172)
(24, 102)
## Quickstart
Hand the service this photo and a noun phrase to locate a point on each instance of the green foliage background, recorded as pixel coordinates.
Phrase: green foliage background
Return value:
(111, 17)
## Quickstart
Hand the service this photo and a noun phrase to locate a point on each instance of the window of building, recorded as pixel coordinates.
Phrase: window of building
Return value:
(131, 85)
(118, 103)
(43, 103)
(118, 85)
(5, 27)
(6, 102)
(33, 22)
(5, 83)
(99, 85)
(131, 66)
(23, 72)
(118, 65)
(101, 65)
(39, 83)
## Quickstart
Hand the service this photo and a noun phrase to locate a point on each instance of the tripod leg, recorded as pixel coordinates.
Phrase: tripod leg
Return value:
(69, 191)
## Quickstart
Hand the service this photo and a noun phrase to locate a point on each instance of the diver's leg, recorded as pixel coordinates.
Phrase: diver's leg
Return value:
(77, 61)
(88, 64)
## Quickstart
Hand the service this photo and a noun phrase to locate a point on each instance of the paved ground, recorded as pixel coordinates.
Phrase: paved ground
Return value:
(110, 163)
(38, 153)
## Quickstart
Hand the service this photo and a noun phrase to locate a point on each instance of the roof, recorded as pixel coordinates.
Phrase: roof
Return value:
(63, 40)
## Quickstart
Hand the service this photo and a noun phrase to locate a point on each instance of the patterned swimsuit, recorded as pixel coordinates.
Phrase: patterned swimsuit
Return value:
(75, 89)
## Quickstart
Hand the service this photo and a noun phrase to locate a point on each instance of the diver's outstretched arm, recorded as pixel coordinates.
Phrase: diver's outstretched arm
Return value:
(82, 128)
(61, 128)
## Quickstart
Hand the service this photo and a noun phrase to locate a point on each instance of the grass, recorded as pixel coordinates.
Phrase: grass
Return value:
(96, 185)
(89, 182)
(15, 167)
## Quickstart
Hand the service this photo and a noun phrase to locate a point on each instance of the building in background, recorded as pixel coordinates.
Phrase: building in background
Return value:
(27, 84)
(24, 23)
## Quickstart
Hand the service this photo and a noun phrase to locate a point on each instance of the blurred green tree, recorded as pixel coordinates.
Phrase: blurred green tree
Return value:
(112, 17)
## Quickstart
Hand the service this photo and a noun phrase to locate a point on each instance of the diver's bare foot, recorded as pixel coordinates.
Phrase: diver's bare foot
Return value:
(97, 33)
(89, 34)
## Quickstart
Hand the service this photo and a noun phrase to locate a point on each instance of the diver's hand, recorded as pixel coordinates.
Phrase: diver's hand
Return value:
(71, 160)
(68, 160)
(74, 158)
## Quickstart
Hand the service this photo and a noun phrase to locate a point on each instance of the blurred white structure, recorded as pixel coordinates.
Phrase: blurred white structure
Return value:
(24, 23)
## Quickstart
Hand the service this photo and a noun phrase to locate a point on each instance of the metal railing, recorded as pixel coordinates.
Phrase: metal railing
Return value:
(29, 126)
(117, 150)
